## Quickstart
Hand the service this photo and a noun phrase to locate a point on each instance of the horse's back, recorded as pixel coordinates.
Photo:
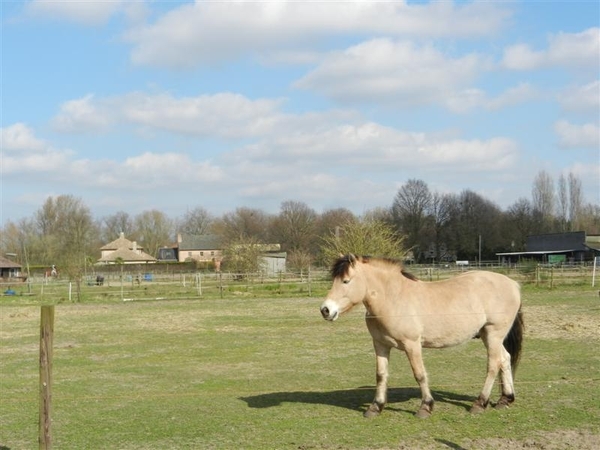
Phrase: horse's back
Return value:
(488, 290)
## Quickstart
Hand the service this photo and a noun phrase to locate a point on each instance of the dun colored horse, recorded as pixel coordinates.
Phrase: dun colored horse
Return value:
(408, 314)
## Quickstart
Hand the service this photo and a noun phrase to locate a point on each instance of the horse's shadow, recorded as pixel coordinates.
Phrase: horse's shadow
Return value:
(357, 399)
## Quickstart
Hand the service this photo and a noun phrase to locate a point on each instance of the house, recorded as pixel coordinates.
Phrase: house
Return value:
(201, 248)
(209, 248)
(556, 248)
(124, 251)
(10, 270)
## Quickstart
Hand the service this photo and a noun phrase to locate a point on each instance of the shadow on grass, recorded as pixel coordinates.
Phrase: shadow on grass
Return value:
(355, 399)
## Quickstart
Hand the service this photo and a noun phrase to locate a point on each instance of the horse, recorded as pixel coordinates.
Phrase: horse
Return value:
(51, 272)
(406, 313)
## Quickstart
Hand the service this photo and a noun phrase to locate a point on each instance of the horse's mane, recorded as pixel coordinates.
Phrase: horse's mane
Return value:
(343, 263)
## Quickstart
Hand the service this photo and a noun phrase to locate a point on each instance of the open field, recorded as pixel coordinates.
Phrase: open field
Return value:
(246, 372)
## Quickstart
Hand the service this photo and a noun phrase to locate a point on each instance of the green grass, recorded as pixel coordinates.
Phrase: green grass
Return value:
(270, 373)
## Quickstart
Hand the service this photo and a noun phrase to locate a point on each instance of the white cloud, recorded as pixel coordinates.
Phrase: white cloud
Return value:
(521, 93)
(370, 146)
(467, 100)
(20, 137)
(164, 169)
(383, 70)
(206, 32)
(86, 12)
(584, 98)
(82, 115)
(224, 115)
(568, 50)
(24, 153)
(577, 136)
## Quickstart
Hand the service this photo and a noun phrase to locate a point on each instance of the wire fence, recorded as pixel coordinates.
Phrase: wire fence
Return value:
(140, 285)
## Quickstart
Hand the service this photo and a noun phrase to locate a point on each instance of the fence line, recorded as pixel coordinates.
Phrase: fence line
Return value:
(200, 285)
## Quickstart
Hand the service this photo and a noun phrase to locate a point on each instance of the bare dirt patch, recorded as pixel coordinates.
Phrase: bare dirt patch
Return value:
(550, 440)
(560, 322)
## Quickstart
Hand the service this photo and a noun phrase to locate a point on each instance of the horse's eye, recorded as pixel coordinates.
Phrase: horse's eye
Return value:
(346, 281)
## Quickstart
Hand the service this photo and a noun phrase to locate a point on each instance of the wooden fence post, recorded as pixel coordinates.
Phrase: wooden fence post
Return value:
(46, 342)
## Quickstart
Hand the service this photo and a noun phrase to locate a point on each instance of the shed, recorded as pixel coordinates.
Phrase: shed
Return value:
(556, 248)
(10, 270)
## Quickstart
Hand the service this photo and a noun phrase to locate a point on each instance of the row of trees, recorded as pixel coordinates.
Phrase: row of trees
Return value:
(433, 226)
(468, 226)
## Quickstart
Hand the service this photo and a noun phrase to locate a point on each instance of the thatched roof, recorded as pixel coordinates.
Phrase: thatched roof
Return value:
(6, 263)
(121, 242)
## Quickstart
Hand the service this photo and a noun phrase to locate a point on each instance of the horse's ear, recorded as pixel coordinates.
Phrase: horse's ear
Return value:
(351, 258)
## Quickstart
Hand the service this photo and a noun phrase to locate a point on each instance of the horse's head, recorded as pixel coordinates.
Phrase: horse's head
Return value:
(348, 290)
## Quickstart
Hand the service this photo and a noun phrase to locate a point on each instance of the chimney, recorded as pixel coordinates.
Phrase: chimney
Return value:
(134, 246)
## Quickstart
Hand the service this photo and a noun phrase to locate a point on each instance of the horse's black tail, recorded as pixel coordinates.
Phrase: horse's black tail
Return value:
(514, 340)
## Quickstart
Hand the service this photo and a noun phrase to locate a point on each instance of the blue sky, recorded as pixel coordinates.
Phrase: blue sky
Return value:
(172, 105)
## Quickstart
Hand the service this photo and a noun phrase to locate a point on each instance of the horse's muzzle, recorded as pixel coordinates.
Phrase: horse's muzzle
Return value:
(329, 312)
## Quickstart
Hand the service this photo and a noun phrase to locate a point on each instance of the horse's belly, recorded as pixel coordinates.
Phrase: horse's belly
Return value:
(451, 335)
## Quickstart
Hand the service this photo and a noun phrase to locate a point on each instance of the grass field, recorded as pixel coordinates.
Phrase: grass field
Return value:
(270, 373)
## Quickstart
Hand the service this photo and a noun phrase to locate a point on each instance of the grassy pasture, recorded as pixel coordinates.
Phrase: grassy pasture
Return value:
(270, 373)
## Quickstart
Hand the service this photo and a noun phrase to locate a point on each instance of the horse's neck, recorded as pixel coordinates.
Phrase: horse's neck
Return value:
(382, 287)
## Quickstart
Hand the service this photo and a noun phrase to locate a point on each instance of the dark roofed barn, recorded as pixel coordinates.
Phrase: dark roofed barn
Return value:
(572, 247)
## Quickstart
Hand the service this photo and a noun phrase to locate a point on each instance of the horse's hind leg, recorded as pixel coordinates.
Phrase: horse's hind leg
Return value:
(506, 383)
(495, 351)
(382, 353)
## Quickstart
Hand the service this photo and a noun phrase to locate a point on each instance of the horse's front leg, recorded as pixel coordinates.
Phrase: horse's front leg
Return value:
(415, 357)
(382, 354)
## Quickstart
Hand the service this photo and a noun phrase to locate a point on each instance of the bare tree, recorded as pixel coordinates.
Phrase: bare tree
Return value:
(242, 255)
(575, 202)
(66, 227)
(196, 221)
(299, 260)
(295, 226)
(590, 218)
(542, 194)
(440, 214)
(520, 222)
(243, 223)
(562, 197)
(113, 225)
(153, 230)
(410, 210)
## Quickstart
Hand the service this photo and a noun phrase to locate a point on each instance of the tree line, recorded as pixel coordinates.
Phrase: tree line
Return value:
(421, 224)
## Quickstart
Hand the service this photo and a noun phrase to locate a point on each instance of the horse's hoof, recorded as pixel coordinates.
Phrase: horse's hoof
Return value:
(477, 409)
(372, 411)
(423, 413)
(504, 401)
